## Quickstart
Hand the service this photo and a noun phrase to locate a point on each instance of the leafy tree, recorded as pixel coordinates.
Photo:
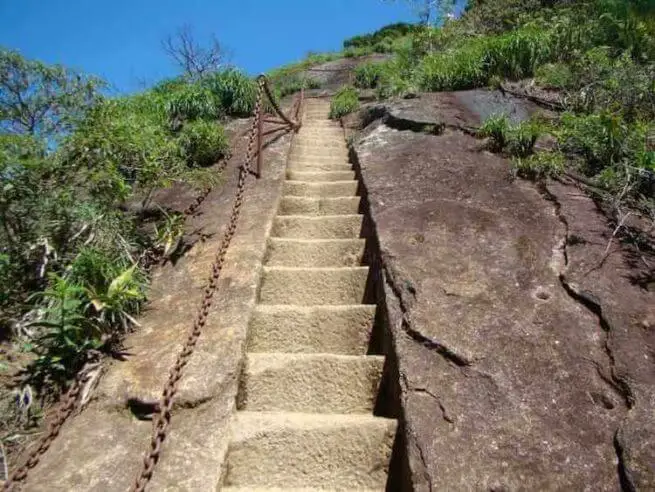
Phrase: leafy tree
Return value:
(42, 100)
(431, 11)
(70, 162)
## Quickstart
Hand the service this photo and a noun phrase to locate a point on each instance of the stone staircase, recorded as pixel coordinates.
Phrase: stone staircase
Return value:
(305, 408)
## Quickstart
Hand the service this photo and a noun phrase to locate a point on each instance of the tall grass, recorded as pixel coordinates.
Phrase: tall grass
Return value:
(512, 55)
(345, 101)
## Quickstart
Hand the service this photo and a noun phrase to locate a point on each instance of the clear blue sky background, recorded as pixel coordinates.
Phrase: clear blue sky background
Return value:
(121, 40)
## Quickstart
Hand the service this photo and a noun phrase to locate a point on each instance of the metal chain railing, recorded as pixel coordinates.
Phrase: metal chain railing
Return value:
(68, 404)
(70, 401)
(163, 418)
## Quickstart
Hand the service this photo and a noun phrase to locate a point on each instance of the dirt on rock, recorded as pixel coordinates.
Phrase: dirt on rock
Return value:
(336, 73)
(524, 364)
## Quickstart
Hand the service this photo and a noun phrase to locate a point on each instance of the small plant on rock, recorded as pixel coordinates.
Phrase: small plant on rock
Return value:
(540, 165)
(344, 102)
(367, 76)
(518, 140)
(522, 138)
(497, 129)
(202, 143)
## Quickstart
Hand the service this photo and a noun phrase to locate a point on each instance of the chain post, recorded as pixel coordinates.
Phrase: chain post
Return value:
(260, 129)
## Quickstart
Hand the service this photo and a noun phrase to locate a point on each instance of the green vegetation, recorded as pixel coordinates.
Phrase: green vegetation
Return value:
(540, 165)
(202, 143)
(389, 39)
(234, 92)
(517, 140)
(78, 171)
(368, 75)
(599, 55)
(512, 55)
(344, 102)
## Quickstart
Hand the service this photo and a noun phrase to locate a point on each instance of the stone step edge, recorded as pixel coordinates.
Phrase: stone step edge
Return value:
(263, 308)
(293, 419)
(313, 355)
(314, 269)
(336, 240)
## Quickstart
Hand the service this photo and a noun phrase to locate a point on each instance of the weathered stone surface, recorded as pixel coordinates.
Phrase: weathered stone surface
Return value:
(506, 378)
(431, 113)
(605, 274)
(333, 74)
(103, 447)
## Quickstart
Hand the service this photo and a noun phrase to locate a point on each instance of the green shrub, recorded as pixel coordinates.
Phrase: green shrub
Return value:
(555, 75)
(385, 46)
(170, 86)
(290, 84)
(345, 101)
(367, 75)
(600, 138)
(497, 129)
(76, 318)
(620, 85)
(202, 143)
(539, 165)
(124, 142)
(310, 60)
(383, 38)
(313, 58)
(517, 139)
(96, 268)
(355, 52)
(191, 102)
(522, 138)
(606, 140)
(396, 78)
(511, 55)
(234, 91)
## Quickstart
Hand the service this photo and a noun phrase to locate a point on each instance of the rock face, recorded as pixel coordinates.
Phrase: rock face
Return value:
(333, 74)
(519, 369)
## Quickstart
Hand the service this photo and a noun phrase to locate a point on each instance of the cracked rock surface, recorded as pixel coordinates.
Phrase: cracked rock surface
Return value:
(510, 377)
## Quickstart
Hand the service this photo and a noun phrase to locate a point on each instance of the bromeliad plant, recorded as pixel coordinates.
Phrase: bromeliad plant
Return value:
(112, 306)
(65, 333)
(73, 318)
(169, 235)
(518, 140)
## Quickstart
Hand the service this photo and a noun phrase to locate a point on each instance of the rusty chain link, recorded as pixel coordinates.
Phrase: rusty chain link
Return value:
(70, 401)
(67, 406)
(163, 419)
(294, 124)
(197, 201)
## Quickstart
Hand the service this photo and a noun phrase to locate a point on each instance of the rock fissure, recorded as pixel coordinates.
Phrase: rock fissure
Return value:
(440, 348)
(564, 238)
(625, 479)
(415, 441)
(385, 116)
(444, 412)
(593, 304)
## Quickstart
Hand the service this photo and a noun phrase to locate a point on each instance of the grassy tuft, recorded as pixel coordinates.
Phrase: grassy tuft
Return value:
(344, 102)
(202, 143)
(367, 75)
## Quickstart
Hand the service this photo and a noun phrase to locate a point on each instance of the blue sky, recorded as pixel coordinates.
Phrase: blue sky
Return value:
(121, 40)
